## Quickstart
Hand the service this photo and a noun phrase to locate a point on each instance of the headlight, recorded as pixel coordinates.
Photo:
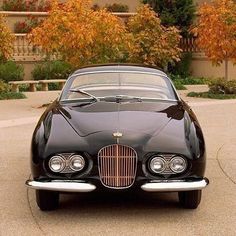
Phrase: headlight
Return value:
(77, 163)
(178, 164)
(158, 164)
(57, 164)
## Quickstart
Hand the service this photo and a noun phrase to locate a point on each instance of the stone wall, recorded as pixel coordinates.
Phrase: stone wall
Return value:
(202, 67)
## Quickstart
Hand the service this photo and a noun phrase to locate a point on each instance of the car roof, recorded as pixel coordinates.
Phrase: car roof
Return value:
(118, 67)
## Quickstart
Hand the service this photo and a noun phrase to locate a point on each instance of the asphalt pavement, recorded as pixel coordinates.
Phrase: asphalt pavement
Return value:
(114, 214)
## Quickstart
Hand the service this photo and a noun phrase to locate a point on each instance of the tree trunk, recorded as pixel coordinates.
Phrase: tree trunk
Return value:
(226, 69)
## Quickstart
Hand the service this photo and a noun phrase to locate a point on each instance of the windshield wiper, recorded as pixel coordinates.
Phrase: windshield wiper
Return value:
(84, 93)
(122, 98)
(85, 104)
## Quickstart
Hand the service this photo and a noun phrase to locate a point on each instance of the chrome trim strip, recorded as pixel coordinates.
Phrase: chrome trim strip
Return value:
(61, 186)
(172, 186)
(160, 73)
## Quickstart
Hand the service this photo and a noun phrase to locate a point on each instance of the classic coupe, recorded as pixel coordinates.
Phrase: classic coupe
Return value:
(119, 128)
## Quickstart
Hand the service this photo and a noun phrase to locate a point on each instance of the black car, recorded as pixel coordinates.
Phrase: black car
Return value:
(118, 127)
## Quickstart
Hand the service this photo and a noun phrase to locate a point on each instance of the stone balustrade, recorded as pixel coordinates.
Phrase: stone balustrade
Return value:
(24, 49)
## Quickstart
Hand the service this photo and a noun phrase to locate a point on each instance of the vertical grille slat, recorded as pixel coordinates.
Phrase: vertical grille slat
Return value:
(117, 166)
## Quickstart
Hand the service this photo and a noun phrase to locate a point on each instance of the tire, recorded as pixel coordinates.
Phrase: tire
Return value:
(190, 199)
(47, 200)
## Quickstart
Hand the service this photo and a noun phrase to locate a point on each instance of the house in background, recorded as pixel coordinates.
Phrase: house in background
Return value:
(26, 55)
(132, 3)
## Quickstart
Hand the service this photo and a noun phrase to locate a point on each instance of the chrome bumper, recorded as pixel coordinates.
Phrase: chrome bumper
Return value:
(155, 186)
(175, 186)
(61, 186)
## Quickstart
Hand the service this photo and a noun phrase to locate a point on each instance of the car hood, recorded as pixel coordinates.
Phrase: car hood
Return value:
(142, 118)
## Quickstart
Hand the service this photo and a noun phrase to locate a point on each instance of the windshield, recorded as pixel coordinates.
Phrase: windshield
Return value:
(108, 84)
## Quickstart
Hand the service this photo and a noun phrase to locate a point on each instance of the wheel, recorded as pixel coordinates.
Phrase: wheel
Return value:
(47, 200)
(190, 199)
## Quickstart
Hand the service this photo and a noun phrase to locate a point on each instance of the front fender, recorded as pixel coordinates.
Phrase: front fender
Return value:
(52, 135)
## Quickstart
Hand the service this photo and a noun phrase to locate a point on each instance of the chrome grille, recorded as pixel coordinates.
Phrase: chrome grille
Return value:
(117, 166)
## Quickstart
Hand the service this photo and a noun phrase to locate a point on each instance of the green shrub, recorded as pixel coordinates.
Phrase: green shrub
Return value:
(24, 87)
(26, 5)
(178, 85)
(13, 5)
(5, 93)
(182, 67)
(117, 7)
(221, 86)
(11, 95)
(53, 86)
(190, 80)
(211, 95)
(10, 71)
(52, 70)
(4, 87)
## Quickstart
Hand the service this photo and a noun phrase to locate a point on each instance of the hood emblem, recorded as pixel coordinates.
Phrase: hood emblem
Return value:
(117, 135)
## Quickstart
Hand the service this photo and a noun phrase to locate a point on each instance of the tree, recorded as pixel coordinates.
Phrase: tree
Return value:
(179, 13)
(153, 44)
(216, 32)
(6, 40)
(81, 35)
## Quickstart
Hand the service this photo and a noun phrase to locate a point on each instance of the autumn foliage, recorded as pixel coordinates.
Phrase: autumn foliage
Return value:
(153, 44)
(6, 40)
(216, 31)
(82, 36)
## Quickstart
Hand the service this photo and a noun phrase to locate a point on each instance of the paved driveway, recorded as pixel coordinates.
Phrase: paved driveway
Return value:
(112, 214)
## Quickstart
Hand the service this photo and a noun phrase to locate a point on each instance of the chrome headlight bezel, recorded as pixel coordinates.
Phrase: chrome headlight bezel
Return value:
(167, 159)
(161, 160)
(181, 159)
(73, 158)
(57, 158)
(66, 160)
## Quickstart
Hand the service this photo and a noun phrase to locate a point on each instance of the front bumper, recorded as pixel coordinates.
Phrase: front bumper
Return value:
(61, 186)
(154, 186)
(175, 185)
